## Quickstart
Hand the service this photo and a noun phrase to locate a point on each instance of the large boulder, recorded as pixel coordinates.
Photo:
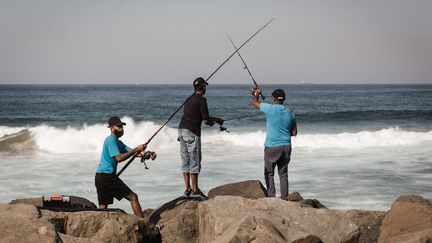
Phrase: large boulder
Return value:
(408, 220)
(252, 189)
(67, 202)
(23, 223)
(180, 220)
(368, 222)
(27, 223)
(100, 226)
(236, 219)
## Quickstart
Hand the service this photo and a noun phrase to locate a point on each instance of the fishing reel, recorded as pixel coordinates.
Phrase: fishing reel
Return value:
(253, 92)
(148, 155)
(222, 128)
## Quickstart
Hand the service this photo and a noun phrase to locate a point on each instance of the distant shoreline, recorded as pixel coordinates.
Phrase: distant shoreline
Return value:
(222, 84)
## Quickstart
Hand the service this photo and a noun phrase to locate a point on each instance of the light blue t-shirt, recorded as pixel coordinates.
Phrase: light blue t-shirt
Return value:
(279, 122)
(111, 148)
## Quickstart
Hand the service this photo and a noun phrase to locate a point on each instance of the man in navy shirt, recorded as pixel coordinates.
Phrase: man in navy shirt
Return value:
(189, 135)
(281, 125)
(114, 151)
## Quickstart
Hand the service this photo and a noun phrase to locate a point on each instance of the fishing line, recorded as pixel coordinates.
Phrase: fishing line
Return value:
(246, 67)
(178, 109)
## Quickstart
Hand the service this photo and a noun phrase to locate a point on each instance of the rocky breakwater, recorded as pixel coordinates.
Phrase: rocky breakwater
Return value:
(238, 212)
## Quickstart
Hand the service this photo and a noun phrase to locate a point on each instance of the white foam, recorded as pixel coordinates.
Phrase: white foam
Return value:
(89, 139)
(393, 136)
(383, 138)
(4, 130)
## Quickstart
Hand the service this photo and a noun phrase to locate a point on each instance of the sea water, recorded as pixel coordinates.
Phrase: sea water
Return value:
(358, 146)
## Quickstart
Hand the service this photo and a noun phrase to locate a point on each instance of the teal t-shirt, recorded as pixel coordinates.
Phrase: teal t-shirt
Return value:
(279, 122)
(111, 148)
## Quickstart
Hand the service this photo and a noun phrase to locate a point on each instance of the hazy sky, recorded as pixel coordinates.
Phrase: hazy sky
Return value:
(90, 41)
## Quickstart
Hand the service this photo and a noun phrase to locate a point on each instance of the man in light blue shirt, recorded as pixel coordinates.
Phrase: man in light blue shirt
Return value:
(114, 151)
(281, 125)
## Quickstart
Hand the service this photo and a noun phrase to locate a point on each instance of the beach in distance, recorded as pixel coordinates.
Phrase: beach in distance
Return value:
(358, 146)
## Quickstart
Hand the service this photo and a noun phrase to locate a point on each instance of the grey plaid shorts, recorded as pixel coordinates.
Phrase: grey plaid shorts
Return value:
(190, 151)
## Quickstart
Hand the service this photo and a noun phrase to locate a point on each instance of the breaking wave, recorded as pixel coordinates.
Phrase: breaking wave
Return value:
(88, 139)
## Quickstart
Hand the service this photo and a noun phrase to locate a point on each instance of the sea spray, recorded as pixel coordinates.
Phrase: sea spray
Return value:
(87, 139)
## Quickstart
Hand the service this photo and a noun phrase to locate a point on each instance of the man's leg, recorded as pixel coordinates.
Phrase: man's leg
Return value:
(136, 207)
(194, 177)
(103, 206)
(186, 178)
(195, 161)
(269, 180)
(184, 138)
(283, 178)
(271, 156)
(283, 172)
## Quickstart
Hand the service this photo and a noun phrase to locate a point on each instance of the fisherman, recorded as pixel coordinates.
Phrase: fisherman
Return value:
(189, 135)
(114, 151)
(281, 125)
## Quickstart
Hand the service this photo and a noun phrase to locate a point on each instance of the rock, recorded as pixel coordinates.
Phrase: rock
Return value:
(295, 197)
(71, 202)
(179, 218)
(252, 189)
(309, 239)
(369, 223)
(408, 220)
(100, 226)
(313, 203)
(36, 201)
(223, 219)
(23, 223)
(255, 229)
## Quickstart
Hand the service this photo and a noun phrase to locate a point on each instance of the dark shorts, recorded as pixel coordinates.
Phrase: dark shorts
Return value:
(109, 186)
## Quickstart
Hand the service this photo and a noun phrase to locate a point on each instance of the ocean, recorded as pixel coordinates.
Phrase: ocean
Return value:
(358, 146)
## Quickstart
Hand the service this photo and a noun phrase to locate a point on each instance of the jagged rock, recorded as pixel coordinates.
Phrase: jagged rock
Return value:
(180, 220)
(313, 203)
(36, 201)
(295, 197)
(309, 239)
(408, 220)
(255, 229)
(222, 218)
(72, 202)
(23, 223)
(369, 223)
(96, 226)
(252, 189)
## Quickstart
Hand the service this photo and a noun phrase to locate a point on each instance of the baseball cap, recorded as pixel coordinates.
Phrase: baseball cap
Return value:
(198, 82)
(278, 94)
(115, 121)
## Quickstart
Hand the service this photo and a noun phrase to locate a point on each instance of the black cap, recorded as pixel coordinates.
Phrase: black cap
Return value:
(115, 121)
(279, 94)
(199, 82)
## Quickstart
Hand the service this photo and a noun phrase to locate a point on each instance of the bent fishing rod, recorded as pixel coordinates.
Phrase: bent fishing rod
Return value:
(178, 109)
(246, 67)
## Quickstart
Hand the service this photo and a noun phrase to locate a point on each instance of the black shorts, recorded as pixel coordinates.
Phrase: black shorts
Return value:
(109, 186)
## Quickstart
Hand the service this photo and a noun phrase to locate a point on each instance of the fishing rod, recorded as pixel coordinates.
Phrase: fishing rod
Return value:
(222, 128)
(178, 109)
(246, 67)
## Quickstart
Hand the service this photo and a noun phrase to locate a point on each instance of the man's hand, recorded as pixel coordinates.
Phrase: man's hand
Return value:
(218, 120)
(255, 102)
(140, 148)
(257, 91)
(148, 155)
(209, 122)
(153, 155)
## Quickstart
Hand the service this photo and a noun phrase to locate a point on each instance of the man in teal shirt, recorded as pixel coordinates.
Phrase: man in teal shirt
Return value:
(114, 151)
(281, 125)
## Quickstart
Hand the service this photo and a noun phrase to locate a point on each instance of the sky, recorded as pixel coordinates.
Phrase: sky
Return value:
(173, 42)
